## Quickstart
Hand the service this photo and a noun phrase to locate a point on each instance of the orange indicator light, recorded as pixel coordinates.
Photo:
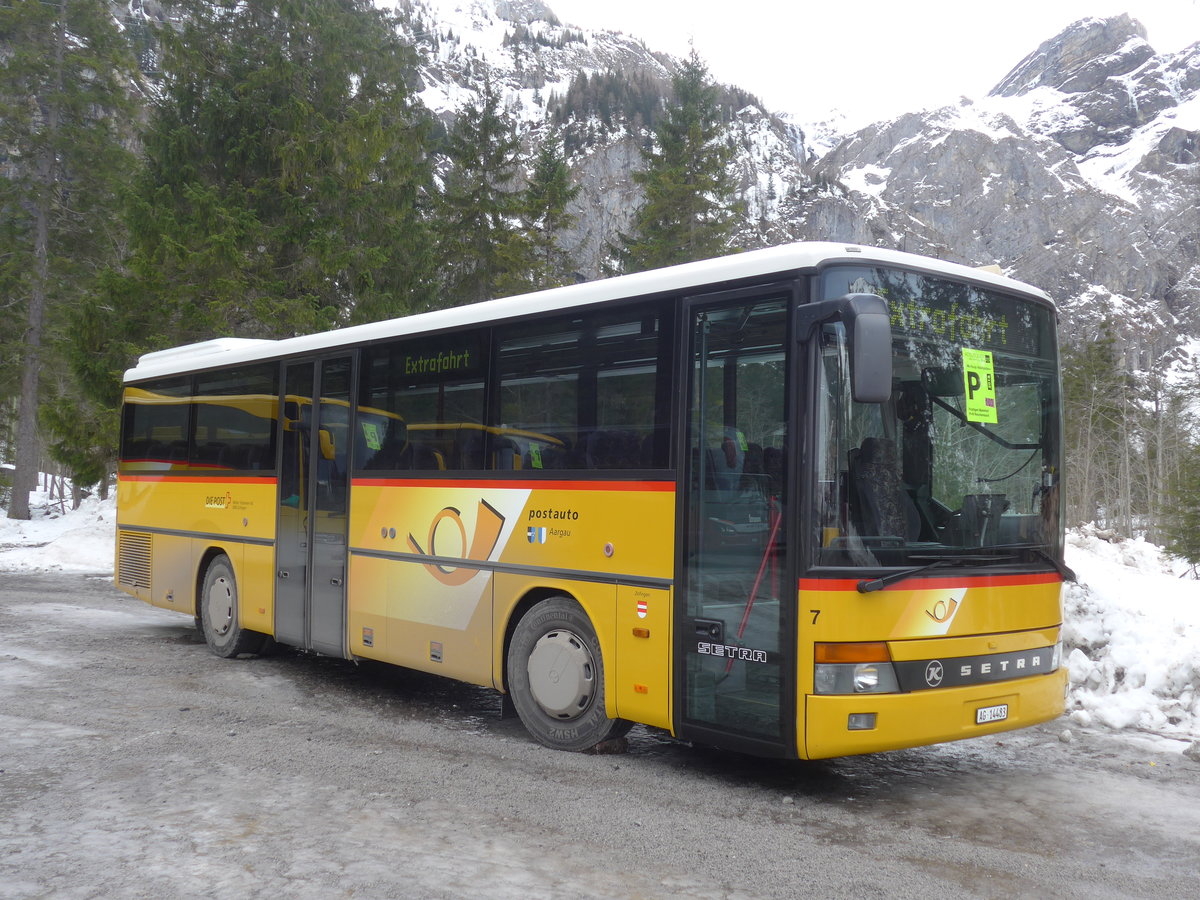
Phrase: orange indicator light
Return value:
(875, 651)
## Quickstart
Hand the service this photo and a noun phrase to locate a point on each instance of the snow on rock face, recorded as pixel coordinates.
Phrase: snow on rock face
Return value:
(524, 11)
(986, 189)
(1078, 174)
(531, 58)
(1081, 57)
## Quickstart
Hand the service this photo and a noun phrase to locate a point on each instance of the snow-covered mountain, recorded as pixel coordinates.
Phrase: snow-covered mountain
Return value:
(534, 58)
(1079, 172)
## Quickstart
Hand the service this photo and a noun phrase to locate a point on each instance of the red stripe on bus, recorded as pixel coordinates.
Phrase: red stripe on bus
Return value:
(917, 583)
(496, 484)
(192, 479)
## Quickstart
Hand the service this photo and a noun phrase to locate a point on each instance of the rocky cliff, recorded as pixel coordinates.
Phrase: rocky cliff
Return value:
(1079, 172)
(534, 58)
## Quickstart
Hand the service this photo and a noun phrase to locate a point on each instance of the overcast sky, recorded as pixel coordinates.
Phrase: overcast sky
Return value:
(870, 59)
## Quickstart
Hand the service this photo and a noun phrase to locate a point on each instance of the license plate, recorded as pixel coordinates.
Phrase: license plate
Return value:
(986, 714)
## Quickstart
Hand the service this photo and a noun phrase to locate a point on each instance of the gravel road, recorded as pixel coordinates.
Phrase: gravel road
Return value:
(133, 763)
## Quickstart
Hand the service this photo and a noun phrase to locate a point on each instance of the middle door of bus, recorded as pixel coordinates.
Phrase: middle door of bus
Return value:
(735, 625)
(314, 485)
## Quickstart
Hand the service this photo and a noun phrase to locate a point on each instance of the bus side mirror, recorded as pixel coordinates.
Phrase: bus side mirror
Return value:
(869, 326)
(869, 332)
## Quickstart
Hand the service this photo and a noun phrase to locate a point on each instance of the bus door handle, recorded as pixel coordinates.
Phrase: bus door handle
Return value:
(282, 573)
(336, 581)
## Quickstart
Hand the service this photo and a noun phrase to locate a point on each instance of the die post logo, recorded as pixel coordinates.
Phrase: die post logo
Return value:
(448, 528)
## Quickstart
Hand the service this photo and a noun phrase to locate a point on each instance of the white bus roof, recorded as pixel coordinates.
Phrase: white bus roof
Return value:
(738, 267)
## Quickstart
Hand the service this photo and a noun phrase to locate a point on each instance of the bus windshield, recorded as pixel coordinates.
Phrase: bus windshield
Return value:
(962, 462)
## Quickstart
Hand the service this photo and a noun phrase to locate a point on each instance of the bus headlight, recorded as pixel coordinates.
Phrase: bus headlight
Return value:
(855, 678)
(854, 669)
(866, 678)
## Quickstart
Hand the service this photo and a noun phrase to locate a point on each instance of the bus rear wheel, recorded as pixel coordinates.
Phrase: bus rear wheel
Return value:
(556, 678)
(219, 613)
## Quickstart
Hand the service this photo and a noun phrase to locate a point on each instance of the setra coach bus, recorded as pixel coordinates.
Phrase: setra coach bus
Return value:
(798, 502)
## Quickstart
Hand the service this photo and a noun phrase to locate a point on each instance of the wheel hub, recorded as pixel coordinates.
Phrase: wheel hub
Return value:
(562, 674)
(220, 606)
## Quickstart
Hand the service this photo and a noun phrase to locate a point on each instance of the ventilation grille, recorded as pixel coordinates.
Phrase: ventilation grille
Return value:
(133, 559)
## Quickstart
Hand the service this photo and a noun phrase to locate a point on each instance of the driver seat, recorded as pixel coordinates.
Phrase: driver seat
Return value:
(885, 508)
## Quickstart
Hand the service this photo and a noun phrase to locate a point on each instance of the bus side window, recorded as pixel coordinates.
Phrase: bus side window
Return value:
(591, 390)
(155, 416)
(436, 389)
(233, 425)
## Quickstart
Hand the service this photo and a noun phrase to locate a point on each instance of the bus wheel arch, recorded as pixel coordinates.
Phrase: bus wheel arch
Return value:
(555, 674)
(217, 609)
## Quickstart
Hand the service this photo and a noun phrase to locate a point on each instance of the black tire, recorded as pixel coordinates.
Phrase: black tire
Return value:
(556, 678)
(219, 613)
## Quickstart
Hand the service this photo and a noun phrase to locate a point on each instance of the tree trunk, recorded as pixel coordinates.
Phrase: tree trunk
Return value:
(26, 457)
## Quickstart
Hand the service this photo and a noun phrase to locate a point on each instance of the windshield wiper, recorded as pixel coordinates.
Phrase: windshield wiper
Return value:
(1067, 573)
(867, 585)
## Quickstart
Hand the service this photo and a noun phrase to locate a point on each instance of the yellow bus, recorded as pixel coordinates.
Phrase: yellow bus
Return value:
(799, 502)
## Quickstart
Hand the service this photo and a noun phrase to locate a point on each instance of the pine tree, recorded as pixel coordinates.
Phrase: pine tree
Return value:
(547, 197)
(64, 112)
(1181, 520)
(482, 250)
(1097, 411)
(689, 211)
(285, 179)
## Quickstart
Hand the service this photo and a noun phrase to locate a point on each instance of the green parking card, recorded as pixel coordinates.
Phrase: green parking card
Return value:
(979, 385)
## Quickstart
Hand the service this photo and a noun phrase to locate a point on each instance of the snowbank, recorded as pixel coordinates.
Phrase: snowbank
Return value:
(80, 540)
(1132, 632)
(1132, 637)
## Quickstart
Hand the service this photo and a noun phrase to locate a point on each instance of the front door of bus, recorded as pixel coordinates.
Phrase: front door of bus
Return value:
(310, 551)
(735, 649)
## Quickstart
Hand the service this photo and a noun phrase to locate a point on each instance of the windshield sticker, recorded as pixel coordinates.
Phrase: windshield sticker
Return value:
(979, 386)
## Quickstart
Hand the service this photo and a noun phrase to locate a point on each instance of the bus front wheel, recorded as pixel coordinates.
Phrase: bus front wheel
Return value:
(556, 677)
(219, 613)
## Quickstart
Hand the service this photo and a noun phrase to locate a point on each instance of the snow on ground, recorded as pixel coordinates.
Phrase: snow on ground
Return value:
(1132, 636)
(1132, 633)
(81, 540)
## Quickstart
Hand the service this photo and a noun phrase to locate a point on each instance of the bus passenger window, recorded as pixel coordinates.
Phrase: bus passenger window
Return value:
(153, 423)
(421, 405)
(585, 392)
(233, 427)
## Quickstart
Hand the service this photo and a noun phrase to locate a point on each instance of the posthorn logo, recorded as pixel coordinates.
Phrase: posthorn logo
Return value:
(488, 525)
(934, 673)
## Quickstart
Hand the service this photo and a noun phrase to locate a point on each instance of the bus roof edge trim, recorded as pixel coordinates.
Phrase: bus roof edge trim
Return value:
(680, 279)
(200, 350)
